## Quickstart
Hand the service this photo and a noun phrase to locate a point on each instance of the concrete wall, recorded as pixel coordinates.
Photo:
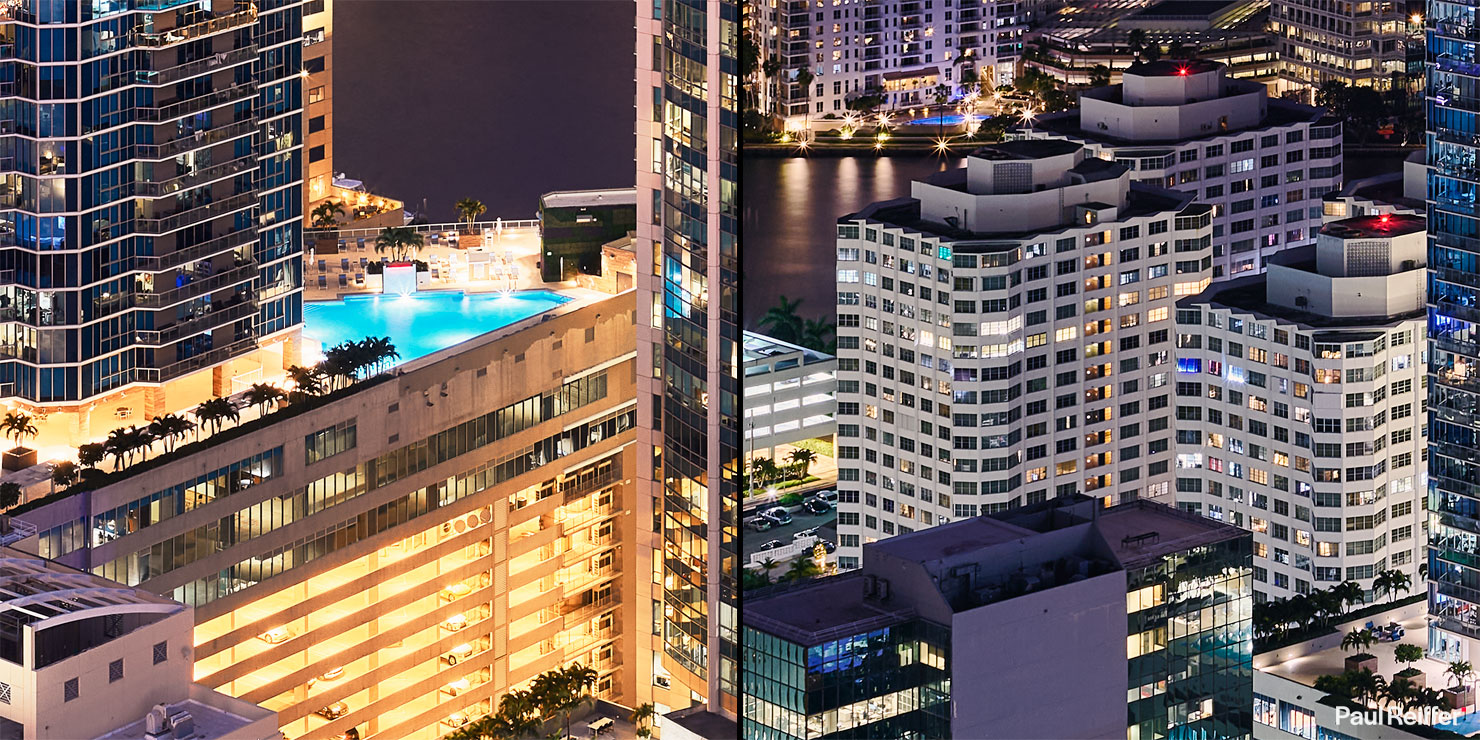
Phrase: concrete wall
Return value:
(1071, 684)
(1013, 212)
(1154, 122)
(1391, 295)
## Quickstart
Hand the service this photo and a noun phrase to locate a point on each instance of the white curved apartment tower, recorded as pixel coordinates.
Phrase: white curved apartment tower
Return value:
(1005, 337)
(1300, 406)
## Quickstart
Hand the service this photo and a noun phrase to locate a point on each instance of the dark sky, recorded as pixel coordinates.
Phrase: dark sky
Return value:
(497, 100)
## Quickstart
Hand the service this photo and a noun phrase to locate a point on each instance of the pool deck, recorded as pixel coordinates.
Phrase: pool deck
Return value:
(453, 272)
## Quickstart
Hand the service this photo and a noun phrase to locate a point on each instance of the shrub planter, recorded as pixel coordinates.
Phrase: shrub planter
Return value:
(1459, 697)
(1412, 675)
(19, 458)
(1361, 661)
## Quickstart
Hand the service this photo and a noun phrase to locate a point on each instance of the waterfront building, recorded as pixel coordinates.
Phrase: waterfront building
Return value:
(899, 51)
(955, 632)
(1263, 164)
(688, 252)
(395, 556)
(1300, 407)
(791, 395)
(82, 657)
(1365, 43)
(151, 207)
(1005, 337)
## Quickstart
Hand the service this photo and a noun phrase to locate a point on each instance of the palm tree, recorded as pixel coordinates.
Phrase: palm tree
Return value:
(117, 447)
(139, 438)
(1137, 41)
(782, 322)
(1461, 671)
(941, 93)
(1357, 639)
(641, 717)
(768, 565)
(1366, 685)
(1350, 592)
(1391, 582)
(578, 680)
(215, 411)
(817, 333)
(18, 426)
(1099, 75)
(400, 241)
(326, 215)
(379, 352)
(263, 396)
(63, 474)
(469, 209)
(170, 428)
(307, 381)
(802, 569)
(763, 470)
(802, 458)
(804, 81)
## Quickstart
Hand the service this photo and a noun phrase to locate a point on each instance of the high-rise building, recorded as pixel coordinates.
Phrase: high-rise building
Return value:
(1300, 407)
(899, 51)
(396, 556)
(1356, 43)
(955, 632)
(82, 657)
(1454, 344)
(152, 196)
(1005, 337)
(318, 101)
(688, 170)
(1262, 163)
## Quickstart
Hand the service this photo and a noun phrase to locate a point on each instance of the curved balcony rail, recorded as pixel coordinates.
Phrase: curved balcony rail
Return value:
(178, 146)
(219, 61)
(173, 222)
(217, 317)
(224, 243)
(179, 35)
(190, 180)
(198, 362)
(190, 106)
(239, 274)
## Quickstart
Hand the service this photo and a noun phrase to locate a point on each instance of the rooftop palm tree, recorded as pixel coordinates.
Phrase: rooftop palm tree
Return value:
(642, 716)
(1357, 639)
(768, 565)
(89, 455)
(1461, 671)
(215, 412)
(1137, 41)
(169, 428)
(264, 396)
(117, 446)
(817, 334)
(1392, 581)
(307, 381)
(469, 209)
(63, 474)
(326, 215)
(18, 426)
(401, 241)
(802, 569)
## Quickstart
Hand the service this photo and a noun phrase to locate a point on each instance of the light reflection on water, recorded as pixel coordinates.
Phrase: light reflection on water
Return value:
(791, 209)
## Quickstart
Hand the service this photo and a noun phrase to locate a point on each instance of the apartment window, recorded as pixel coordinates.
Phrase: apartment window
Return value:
(329, 442)
(316, 154)
(316, 94)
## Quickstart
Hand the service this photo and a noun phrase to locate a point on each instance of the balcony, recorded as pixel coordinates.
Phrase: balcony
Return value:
(171, 37)
(203, 286)
(189, 365)
(231, 312)
(176, 221)
(197, 140)
(190, 180)
(190, 106)
(582, 613)
(174, 74)
(224, 243)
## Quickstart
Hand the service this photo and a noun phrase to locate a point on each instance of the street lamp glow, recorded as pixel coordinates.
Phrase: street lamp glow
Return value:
(1028, 116)
(941, 145)
(1417, 19)
(883, 119)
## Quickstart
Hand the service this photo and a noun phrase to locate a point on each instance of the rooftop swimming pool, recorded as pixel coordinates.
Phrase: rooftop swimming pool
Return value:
(421, 323)
(951, 119)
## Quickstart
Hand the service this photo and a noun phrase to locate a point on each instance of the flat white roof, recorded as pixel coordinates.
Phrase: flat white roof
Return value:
(587, 198)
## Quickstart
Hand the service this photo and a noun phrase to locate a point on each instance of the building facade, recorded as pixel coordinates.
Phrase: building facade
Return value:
(318, 101)
(1300, 407)
(1454, 346)
(1005, 337)
(688, 252)
(1364, 43)
(791, 394)
(82, 657)
(1139, 598)
(152, 204)
(898, 50)
(1263, 164)
(413, 547)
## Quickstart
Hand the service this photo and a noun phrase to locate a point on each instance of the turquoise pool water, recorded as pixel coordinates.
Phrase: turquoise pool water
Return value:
(951, 119)
(421, 323)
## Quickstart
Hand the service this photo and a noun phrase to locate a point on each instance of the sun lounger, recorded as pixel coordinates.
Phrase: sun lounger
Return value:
(343, 280)
(359, 280)
(363, 262)
(436, 275)
(323, 282)
(323, 265)
(344, 264)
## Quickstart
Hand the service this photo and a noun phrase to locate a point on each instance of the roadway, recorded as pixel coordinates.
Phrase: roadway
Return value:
(800, 520)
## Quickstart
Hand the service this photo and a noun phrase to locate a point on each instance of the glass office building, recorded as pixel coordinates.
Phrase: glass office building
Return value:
(687, 173)
(150, 191)
(1453, 100)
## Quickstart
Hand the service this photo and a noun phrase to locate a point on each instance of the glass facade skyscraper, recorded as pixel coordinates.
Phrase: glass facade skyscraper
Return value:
(687, 173)
(1454, 346)
(150, 191)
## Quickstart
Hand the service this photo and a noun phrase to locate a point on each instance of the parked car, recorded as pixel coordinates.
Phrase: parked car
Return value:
(772, 544)
(806, 533)
(461, 652)
(334, 711)
(458, 719)
(456, 591)
(778, 515)
(275, 635)
(759, 523)
(332, 673)
(829, 496)
(816, 507)
(455, 623)
(828, 546)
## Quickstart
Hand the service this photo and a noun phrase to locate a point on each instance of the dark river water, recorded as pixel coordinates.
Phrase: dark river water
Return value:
(792, 205)
(499, 100)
